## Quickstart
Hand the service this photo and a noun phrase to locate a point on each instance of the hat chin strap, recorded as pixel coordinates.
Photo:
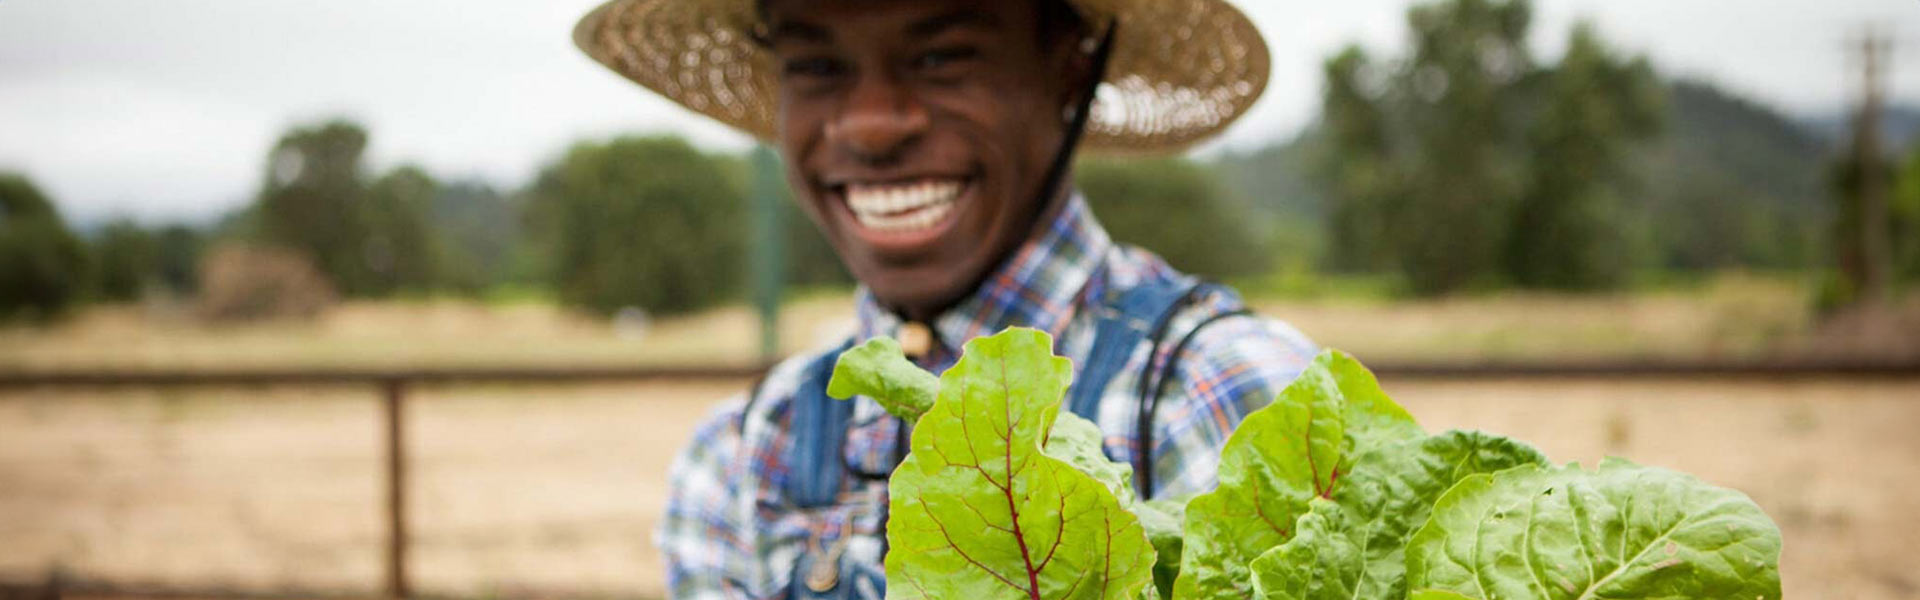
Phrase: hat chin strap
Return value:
(1054, 186)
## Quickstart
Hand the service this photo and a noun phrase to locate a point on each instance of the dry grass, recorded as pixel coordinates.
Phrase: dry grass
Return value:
(1732, 317)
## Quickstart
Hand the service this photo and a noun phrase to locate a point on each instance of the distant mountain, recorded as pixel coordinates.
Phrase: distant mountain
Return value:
(1276, 179)
(1274, 191)
(1900, 126)
(1732, 182)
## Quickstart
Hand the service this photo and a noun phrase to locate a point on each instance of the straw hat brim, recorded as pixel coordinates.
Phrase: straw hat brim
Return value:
(1180, 71)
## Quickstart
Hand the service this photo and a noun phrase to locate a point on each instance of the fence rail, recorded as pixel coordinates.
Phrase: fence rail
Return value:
(1648, 368)
(391, 386)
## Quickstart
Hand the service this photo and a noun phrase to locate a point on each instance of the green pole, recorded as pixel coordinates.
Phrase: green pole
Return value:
(768, 270)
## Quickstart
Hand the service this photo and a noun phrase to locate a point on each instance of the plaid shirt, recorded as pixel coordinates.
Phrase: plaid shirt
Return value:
(729, 533)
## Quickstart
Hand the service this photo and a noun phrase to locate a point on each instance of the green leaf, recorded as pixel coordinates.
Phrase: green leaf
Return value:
(1324, 559)
(1352, 545)
(1078, 442)
(1280, 458)
(1162, 517)
(879, 370)
(979, 511)
(1620, 532)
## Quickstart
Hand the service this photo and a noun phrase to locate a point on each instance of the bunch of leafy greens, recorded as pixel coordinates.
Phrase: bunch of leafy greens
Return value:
(1332, 491)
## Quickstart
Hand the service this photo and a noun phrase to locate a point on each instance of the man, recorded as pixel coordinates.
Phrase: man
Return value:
(931, 142)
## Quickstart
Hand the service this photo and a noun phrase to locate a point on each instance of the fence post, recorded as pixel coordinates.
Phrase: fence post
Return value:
(394, 391)
(769, 245)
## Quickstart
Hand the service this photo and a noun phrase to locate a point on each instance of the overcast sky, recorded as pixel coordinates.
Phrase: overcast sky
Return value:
(164, 109)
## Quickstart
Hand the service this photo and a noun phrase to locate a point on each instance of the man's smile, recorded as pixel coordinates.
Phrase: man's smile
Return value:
(902, 215)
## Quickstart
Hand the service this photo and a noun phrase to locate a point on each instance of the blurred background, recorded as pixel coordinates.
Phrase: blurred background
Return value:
(361, 298)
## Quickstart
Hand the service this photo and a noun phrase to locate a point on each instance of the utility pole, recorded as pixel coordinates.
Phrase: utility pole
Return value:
(1865, 252)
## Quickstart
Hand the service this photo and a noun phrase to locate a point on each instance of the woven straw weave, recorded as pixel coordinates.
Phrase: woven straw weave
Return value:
(1181, 70)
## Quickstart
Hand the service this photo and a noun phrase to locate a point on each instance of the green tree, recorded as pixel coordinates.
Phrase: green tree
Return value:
(1567, 228)
(479, 232)
(311, 198)
(1356, 164)
(125, 261)
(1851, 282)
(1176, 208)
(1465, 164)
(1461, 90)
(809, 259)
(40, 259)
(640, 221)
(128, 260)
(401, 246)
(1904, 215)
(178, 249)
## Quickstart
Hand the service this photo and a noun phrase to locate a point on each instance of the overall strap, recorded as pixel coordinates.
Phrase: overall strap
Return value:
(816, 469)
(1153, 384)
(818, 427)
(1123, 322)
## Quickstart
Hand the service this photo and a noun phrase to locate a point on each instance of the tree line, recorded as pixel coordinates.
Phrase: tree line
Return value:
(640, 221)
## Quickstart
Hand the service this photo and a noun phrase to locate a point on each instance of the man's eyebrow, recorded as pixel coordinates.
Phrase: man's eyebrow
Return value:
(799, 31)
(964, 17)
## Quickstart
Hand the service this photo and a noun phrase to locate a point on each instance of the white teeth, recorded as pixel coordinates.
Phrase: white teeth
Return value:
(902, 207)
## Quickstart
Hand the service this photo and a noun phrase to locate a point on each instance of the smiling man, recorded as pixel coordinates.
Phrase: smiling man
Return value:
(931, 141)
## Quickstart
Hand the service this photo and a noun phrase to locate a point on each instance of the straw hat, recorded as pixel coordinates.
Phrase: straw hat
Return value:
(1181, 70)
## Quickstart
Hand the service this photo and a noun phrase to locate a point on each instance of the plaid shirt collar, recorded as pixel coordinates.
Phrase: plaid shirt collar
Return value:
(1040, 287)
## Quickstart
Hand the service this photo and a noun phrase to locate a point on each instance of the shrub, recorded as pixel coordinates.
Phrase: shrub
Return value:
(244, 283)
(40, 259)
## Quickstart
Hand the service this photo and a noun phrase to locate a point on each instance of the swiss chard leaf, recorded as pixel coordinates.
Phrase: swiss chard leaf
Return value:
(1163, 518)
(1351, 545)
(979, 511)
(1622, 531)
(1280, 458)
(1078, 442)
(878, 369)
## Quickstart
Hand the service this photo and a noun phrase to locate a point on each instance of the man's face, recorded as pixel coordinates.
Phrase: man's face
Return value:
(918, 133)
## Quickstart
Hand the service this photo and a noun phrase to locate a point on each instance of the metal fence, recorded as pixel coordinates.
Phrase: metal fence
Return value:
(392, 387)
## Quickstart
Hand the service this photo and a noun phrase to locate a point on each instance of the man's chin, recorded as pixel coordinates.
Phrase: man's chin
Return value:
(920, 293)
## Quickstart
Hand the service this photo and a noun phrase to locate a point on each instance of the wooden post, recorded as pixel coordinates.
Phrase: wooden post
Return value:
(394, 391)
(769, 245)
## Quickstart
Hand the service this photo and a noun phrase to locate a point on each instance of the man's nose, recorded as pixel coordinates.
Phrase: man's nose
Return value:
(879, 121)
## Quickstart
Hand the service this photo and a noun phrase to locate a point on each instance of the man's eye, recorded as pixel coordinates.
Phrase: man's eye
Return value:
(941, 57)
(814, 67)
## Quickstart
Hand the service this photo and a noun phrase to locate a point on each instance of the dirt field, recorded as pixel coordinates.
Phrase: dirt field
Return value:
(555, 490)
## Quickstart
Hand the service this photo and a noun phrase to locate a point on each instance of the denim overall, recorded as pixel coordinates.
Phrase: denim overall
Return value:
(820, 424)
